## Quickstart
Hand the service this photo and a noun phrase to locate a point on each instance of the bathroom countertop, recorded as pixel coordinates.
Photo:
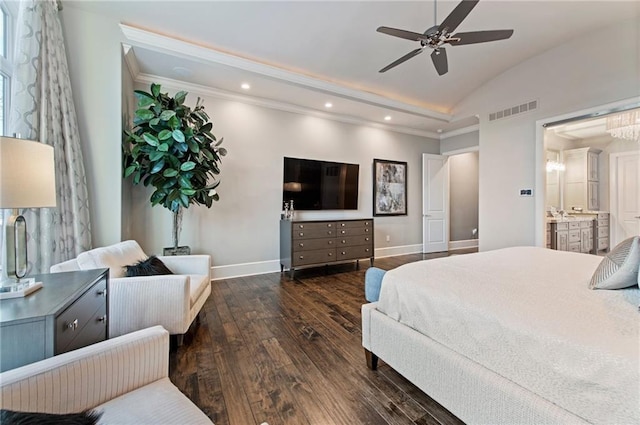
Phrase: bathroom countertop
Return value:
(569, 219)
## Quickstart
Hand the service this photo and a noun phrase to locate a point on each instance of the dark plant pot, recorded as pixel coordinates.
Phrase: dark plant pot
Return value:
(181, 250)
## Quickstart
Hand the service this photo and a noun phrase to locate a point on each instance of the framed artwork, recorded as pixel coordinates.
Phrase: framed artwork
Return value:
(389, 187)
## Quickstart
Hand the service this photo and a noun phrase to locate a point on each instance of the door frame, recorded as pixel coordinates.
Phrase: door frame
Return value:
(445, 202)
(613, 194)
(540, 185)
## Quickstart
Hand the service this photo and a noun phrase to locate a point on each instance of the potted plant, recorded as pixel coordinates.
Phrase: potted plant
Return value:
(172, 149)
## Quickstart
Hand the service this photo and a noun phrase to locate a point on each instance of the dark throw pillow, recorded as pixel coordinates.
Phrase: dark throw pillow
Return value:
(152, 266)
(10, 417)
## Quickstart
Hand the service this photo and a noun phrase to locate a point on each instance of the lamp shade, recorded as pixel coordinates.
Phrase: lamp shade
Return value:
(27, 174)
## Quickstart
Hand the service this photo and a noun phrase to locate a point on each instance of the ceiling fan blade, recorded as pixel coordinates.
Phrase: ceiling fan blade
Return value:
(458, 14)
(407, 35)
(402, 59)
(439, 58)
(480, 36)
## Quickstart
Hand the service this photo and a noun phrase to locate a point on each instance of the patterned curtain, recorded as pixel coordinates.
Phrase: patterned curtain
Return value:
(42, 109)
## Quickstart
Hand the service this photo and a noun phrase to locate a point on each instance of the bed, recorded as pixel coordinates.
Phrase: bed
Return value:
(511, 336)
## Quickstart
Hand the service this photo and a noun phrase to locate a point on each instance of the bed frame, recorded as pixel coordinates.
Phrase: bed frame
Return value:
(470, 391)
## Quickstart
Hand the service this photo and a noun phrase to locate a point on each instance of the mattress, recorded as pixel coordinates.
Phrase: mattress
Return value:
(527, 314)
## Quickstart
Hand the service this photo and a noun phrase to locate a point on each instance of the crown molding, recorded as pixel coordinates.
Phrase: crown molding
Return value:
(131, 60)
(460, 131)
(272, 104)
(164, 44)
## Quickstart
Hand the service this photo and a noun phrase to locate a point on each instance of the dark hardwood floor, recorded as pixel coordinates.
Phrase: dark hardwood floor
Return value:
(269, 349)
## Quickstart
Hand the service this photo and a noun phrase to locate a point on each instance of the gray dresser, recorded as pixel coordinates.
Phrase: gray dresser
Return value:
(314, 243)
(68, 312)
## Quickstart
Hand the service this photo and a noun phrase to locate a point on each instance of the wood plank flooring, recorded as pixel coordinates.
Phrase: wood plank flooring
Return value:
(269, 349)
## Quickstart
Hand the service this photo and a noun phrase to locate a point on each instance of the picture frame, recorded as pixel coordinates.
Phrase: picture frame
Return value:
(389, 188)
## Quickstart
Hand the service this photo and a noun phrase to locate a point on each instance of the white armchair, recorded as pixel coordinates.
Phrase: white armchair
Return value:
(135, 303)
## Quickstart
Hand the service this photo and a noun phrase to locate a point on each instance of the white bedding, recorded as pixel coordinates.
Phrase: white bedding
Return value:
(527, 313)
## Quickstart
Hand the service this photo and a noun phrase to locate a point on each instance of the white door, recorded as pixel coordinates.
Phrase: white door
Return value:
(435, 203)
(625, 199)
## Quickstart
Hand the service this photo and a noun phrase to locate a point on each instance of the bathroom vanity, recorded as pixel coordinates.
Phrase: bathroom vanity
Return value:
(586, 232)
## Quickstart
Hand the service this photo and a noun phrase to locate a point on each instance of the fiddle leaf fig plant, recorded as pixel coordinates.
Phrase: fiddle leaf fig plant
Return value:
(172, 149)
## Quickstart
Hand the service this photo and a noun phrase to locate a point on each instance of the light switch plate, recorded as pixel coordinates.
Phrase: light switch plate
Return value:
(526, 192)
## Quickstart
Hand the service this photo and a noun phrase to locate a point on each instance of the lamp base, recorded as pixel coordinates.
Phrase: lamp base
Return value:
(13, 288)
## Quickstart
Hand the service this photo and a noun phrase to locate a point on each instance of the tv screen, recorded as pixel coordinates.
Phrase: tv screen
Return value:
(320, 185)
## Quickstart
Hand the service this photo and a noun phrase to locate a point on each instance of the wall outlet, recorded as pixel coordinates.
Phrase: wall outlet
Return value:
(388, 238)
(526, 192)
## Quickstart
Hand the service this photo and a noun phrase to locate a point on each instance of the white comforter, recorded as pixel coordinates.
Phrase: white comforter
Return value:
(527, 313)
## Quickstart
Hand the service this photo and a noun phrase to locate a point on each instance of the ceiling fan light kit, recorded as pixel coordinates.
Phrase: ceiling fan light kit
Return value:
(438, 35)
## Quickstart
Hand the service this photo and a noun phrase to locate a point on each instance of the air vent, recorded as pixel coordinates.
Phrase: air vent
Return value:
(514, 110)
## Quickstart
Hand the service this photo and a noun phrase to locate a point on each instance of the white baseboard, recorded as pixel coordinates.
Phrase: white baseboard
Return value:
(398, 250)
(244, 269)
(469, 243)
(273, 266)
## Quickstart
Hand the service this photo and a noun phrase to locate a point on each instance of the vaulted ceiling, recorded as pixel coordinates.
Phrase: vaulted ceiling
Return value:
(306, 53)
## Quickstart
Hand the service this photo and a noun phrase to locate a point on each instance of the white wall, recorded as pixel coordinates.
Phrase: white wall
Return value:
(243, 227)
(580, 74)
(463, 196)
(93, 54)
(461, 141)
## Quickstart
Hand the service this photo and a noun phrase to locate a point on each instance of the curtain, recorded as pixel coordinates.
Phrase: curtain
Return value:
(42, 109)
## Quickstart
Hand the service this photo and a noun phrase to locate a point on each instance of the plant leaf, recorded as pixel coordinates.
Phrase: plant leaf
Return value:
(188, 166)
(155, 89)
(188, 192)
(144, 114)
(222, 151)
(178, 136)
(166, 114)
(180, 97)
(157, 166)
(164, 147)
(150, 139)
(130, 169)
(164, 134)
(174, 122)
(170, 172)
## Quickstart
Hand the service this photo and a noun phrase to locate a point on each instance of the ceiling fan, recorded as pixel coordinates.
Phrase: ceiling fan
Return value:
(438, 35)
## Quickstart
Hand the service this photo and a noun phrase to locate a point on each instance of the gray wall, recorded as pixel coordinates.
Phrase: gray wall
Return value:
(463, 195)
(461, 141)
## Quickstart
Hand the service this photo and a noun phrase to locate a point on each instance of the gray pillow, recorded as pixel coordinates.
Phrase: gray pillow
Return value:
(619, 269)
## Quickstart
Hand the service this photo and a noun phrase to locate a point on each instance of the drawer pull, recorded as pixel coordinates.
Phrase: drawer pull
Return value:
(329, 232)
(343, 241)
(301, 226)
(343, 231)
(344, 253)
(366, 230)
(301, 245)
(73, 325)
(330, 254)
(366, 250)
(366, 239)
(329, 225)
(102, 319)
(342, 224)
(301, 257)
(102, 293)
(301, 233)
(330, 242)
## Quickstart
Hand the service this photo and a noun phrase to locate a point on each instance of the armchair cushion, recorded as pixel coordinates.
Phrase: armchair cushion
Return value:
(114, 257)
(152, 266)
(10, 417)
(198, 284)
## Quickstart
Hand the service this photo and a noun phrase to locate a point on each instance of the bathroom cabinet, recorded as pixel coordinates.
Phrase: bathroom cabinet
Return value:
(581, 179)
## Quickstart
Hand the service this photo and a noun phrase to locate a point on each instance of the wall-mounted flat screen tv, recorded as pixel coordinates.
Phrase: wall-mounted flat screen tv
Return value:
(320, 185)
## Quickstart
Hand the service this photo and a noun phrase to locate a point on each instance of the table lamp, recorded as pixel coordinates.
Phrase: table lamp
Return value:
(27, 180)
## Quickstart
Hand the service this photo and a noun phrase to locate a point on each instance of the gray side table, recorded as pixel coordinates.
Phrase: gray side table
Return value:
(68, 312)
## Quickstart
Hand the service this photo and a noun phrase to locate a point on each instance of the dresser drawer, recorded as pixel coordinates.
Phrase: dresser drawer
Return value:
(562, 226)
(313, 244)
(574, 225)
(313, 257)
(70, 323)
(354, 252)
(603, 215)
(574, 236)
(603, 243)
(313, 226)
(603, 222)
(586, 224)
(354, 240)
(313, 233)
(603, 232)
(354, 223)
(94, 331)
(354, 231)
(574, 247)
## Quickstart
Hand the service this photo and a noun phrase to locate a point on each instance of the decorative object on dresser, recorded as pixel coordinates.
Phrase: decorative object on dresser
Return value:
(389, 187)
(171, 148)
(172, 301)
(315, 243)
(69, 312)
(27, 180)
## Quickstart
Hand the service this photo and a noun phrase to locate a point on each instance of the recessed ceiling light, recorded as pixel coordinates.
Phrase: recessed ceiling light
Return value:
(328, 105)
(182, 71)
(387, 118)
(439, 130)
(245, 86)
